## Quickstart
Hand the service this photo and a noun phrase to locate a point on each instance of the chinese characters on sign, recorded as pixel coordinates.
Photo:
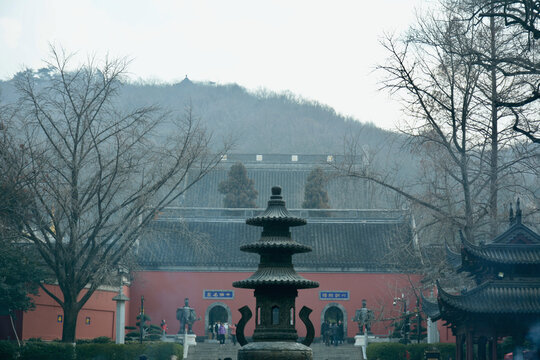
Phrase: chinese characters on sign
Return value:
(333, 295)
(218, 294)
(59, 319)
(87, 320)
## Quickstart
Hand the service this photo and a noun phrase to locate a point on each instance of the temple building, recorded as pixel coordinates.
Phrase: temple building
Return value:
(195, 253)
(506, 298)
(362, 249)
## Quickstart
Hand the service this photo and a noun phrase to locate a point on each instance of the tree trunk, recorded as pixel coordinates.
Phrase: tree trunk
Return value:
(71, 311)
(493, 175)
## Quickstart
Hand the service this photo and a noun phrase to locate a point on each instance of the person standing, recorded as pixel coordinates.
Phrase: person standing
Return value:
(333, 334)
(340, 334)
(325, 334)
(222, 332)
(211, 331)
(232, 327)
(163, 327)
(216, 330)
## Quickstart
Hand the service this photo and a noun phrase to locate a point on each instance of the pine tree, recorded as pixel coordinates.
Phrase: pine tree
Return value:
(315, 195)
(238, 188)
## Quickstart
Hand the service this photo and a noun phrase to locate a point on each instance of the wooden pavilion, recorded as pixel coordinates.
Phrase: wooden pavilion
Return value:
(506, 298)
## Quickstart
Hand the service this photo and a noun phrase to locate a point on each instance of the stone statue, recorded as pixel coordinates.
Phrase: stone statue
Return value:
(364, 317)
(186, 315)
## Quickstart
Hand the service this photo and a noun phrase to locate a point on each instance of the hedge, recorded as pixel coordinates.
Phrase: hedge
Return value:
(8, 350)
(154, 351)
(396, 351)
(97, 340)
(416, 351)
(385, 351)
(32, 350)
(47, 351)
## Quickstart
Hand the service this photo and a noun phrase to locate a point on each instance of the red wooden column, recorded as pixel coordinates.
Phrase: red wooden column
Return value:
(493, 348)
(469, 352)
(459, 347)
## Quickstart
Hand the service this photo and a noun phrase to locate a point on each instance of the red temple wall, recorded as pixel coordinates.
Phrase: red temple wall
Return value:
(445, 333)
(43, 322)
(164, 292)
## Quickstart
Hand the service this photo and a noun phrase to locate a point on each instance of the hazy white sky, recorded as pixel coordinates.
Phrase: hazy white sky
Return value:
(321, 50)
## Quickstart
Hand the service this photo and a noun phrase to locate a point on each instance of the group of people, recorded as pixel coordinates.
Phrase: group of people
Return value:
(332, 333)
(220, 331)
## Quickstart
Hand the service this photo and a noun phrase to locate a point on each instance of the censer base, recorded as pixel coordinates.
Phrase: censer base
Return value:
(275, 350)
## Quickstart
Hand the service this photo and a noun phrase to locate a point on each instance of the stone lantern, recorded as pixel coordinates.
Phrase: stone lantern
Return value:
(276, 285)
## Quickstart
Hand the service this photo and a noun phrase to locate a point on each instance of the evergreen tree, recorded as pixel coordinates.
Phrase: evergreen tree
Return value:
(19, 271)
(315, 195)
(238, 188)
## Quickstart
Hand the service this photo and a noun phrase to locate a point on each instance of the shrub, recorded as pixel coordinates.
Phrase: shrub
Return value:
(164, 351)
(108, 351)
(47, 351)
(8, 350)
(153, 337)
(133, 334)
(447, 350)
(98, 340)
(386, 351)
(102, 340)
(35, 339)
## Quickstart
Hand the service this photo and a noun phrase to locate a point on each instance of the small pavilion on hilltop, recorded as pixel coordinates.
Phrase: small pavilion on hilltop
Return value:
(506, 299)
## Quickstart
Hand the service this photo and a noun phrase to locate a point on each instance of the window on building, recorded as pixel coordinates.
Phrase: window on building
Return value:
(275, 315)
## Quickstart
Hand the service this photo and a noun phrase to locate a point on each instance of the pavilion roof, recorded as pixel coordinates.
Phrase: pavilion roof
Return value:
(431, 308)
(495, 297)
(518, 245)
(453, 258)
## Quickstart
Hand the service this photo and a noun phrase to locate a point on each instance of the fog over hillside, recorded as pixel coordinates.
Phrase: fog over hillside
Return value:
(260, 123)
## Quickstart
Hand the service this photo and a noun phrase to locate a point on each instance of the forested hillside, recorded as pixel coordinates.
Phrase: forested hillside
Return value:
(261, 122)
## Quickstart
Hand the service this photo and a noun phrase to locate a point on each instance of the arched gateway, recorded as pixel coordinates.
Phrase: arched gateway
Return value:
(217, 311)
(334, 312)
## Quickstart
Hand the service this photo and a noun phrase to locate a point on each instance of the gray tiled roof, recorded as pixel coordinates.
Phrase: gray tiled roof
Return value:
(497, 297)
(517, 234)
(431, 308)
(339, 244)
(453, 258)
(518, 245)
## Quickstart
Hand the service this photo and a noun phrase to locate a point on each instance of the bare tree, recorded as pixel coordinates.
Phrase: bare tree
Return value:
(468, 150)
(522, 65)
(96, 176)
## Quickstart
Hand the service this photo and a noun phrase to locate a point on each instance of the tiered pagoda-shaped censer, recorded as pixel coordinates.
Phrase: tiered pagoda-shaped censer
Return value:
(276, 285)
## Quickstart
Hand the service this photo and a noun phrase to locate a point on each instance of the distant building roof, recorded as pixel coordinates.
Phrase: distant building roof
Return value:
(288, 171)
(210, 239)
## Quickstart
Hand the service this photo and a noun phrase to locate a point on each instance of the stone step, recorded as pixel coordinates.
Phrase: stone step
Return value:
(214, 351)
